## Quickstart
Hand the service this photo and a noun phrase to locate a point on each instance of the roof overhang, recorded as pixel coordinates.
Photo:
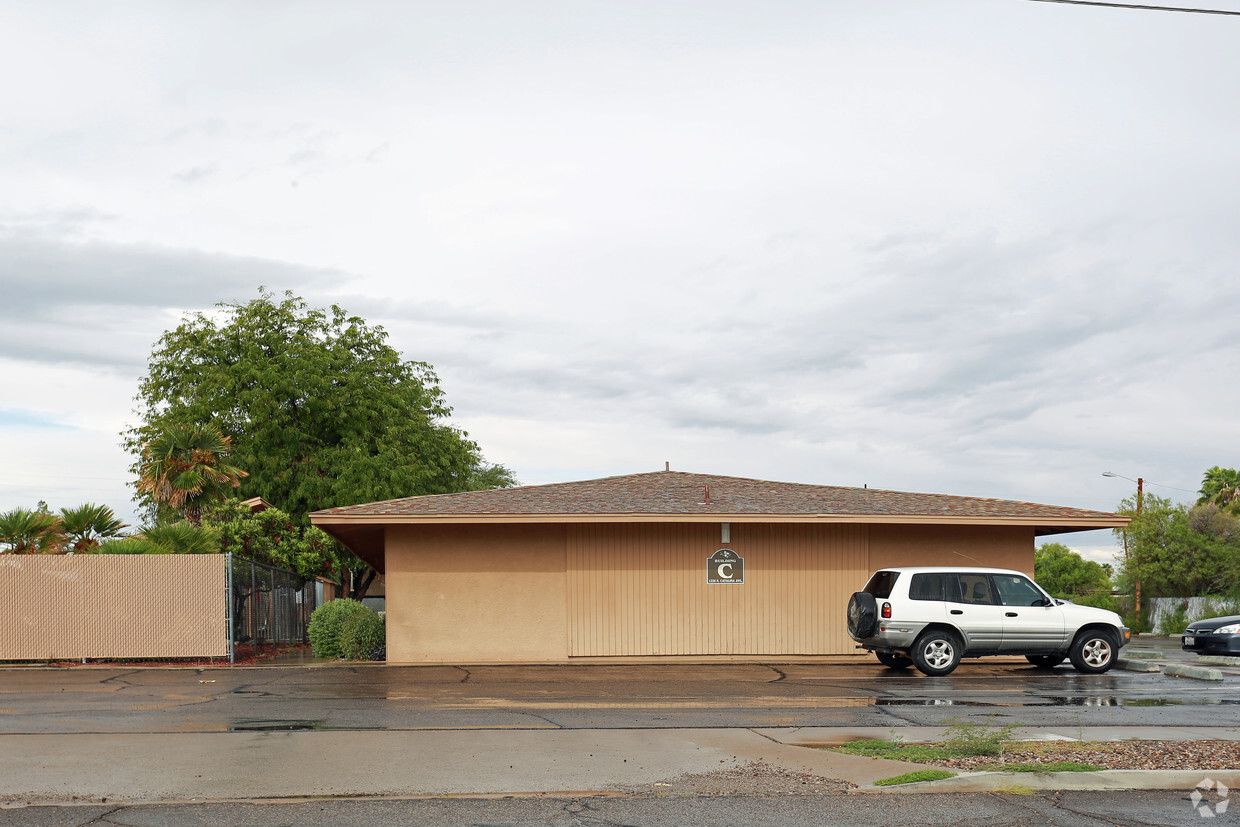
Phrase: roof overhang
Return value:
(364, 534)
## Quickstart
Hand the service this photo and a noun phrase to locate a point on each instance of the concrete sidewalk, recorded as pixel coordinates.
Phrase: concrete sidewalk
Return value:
(243, 766)
(239, 766)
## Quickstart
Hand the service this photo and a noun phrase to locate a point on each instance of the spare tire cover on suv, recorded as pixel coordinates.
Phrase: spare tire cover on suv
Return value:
(862, 615)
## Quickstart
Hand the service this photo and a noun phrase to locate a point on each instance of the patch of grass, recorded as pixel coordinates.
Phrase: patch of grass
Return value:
(964, 739)
(913, 777)
(894, 750)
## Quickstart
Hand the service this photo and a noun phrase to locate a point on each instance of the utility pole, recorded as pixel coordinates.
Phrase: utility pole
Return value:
(1137, 579)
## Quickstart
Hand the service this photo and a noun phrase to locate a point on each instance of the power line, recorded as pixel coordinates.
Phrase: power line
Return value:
(1142, 8)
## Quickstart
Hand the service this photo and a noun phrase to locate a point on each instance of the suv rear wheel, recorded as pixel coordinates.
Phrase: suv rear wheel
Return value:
(936, 652)
(1093, 652)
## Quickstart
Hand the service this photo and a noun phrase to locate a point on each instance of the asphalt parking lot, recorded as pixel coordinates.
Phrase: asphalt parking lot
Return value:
(112, 735)
(836, 692)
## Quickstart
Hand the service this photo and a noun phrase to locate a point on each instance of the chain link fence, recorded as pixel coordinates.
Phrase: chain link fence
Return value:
(267, 605)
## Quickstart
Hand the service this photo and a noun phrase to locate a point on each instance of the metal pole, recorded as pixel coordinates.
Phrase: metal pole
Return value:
(232, 621)
(253, 611)
(1137, 580)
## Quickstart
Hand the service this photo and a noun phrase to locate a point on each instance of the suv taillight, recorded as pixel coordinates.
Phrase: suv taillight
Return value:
(887, 610)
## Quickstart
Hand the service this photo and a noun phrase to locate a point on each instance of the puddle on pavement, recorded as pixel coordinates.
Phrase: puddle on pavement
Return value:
(293, 726)
(1062, 700)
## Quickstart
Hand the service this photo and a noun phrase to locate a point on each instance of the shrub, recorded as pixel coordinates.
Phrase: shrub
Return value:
(363, 636)
(327, 623)
(1175, 621)
(971, 738)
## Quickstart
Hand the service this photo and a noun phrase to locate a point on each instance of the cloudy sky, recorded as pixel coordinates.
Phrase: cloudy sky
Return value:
(980, 247)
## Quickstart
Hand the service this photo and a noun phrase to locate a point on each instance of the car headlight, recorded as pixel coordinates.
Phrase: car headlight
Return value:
(1230, 629)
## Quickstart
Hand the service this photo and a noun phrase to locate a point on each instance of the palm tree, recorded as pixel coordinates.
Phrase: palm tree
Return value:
(30, 532)
(86, 526)
(1221, 486)
(185, 467)
(167, 538)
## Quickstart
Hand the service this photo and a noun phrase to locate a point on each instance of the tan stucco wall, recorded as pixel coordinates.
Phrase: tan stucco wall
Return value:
(1003, 547)
(475, 594)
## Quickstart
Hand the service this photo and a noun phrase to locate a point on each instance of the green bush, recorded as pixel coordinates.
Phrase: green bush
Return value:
(1175, 621)
(362, 636)
(326, 625)
(972, 738)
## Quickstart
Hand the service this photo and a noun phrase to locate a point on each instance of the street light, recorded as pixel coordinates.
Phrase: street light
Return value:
(1136, 579)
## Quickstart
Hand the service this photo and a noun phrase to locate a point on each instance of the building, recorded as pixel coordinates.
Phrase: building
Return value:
(663, 564)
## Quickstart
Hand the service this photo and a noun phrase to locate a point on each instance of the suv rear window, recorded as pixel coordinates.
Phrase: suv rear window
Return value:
(881, 584)
(927, 586)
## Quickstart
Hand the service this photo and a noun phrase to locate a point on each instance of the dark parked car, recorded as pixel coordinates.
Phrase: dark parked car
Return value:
(1215, 636)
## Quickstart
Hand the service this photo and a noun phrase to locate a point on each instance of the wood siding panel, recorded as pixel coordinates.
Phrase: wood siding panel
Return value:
(640, 589)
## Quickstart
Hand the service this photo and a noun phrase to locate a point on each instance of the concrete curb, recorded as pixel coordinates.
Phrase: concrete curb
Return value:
(1136, 665)
(1200, 673)
(1219, 660)
(1141, 655)
(979, 782)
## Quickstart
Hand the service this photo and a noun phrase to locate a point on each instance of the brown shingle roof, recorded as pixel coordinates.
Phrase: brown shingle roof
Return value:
(673, 494)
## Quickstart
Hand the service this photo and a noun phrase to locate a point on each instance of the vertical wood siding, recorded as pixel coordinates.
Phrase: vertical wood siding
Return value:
(640, 589)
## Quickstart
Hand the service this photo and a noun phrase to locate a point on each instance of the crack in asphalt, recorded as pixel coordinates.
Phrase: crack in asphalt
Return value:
(104, 818)
(580, 810)
(782, 674)
(1056, 803)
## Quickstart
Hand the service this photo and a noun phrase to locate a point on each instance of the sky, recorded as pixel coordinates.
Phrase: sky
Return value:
(973, 247)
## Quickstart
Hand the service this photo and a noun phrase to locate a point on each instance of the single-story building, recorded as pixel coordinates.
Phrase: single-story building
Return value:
(663, 564)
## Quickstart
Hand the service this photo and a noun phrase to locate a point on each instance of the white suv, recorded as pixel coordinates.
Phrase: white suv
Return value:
(932, 617)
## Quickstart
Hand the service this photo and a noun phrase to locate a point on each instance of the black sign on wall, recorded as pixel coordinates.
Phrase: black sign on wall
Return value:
(725, 566)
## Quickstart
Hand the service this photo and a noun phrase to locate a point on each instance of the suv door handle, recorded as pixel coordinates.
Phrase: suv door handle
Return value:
(1010, 614)
(957, 611)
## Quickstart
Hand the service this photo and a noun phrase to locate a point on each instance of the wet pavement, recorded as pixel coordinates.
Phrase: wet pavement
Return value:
(840, 692)
(145, 734)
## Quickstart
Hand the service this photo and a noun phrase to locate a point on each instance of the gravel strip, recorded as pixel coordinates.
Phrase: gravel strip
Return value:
(1111, 755)
(762, 779)
(756, 778)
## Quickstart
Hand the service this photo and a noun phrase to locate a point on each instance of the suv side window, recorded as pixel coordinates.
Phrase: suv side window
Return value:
(970, 588)
(1017, 591)
(926, 586)
(881, 584)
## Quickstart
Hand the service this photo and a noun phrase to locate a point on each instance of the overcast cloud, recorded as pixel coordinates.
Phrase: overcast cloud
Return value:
(981, 247)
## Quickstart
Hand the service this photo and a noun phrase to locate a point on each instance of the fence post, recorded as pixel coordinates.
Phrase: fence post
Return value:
(232, 623)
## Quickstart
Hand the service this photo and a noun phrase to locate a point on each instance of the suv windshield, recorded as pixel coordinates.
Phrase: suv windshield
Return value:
(881, 584)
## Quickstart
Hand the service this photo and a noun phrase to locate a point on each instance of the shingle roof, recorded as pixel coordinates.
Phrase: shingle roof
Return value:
(674, 494)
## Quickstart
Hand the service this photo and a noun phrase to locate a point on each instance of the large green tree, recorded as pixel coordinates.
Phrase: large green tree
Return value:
(1175, 550)
(321, 410)
(1064, 573)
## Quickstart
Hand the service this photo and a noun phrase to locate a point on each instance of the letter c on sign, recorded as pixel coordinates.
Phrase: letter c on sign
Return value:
(725, 571)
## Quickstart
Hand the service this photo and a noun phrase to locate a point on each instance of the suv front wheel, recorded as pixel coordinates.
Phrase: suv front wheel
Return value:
(1092, 652)
(936, 652)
